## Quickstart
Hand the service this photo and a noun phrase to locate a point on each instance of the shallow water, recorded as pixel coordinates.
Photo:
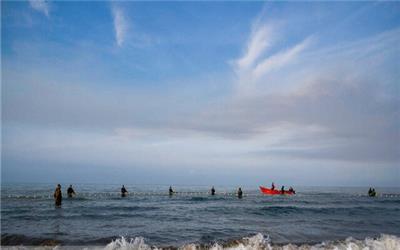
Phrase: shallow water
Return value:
(98, 215)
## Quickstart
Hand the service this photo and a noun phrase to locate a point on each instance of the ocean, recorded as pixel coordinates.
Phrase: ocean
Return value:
(148, 218)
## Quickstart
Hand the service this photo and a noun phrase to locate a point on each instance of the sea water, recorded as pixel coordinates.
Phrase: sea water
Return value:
(98, 217)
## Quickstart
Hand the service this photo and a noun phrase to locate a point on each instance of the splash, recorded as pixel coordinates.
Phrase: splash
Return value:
(132, 244)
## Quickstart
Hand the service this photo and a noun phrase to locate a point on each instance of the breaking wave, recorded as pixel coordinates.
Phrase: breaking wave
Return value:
(259, 242)
(256, 242)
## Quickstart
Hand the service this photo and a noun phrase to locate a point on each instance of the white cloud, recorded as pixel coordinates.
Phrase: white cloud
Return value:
(263, 55)
(279, 59)
(259, 41)
(120, 25)
(40, 5)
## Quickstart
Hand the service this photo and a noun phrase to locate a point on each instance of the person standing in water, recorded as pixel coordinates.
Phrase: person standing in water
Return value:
(58, 196)
(70, 191)
(240, 193)
(371, 192)
(283, 190)
(171, 192)
(273, 186)
(123, 191)
(213, 191)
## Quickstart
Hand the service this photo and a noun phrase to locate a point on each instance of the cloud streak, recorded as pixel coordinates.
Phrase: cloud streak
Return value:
(120, 24)
(262, 55)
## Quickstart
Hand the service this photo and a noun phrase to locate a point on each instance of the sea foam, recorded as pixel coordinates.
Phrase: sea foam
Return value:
(259, 242)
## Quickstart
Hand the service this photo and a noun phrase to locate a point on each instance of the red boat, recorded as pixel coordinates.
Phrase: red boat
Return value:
(268, 191)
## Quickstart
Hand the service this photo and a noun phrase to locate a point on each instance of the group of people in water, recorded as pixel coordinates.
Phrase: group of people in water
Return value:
(58, 194)
(124, 193)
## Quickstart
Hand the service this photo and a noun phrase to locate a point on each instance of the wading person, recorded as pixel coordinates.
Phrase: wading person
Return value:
(171, 191)
(70, 191)
(213, 191)
(240, 193)
(124, 192)
(58, 196)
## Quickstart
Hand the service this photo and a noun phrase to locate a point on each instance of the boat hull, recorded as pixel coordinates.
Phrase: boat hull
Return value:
(268, 191)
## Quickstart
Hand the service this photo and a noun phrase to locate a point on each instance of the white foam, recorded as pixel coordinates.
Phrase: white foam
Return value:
(259, 242)
(133, 244)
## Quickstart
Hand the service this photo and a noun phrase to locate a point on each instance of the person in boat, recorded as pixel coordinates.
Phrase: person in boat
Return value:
(240, 193)
(273, 186)
(292, 190)
(171, 191)
(70, 191)
(58, 196)
(212, 190)
(283, 190)
(124, 192)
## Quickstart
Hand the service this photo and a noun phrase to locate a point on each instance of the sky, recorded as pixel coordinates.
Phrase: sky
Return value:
(201, 93)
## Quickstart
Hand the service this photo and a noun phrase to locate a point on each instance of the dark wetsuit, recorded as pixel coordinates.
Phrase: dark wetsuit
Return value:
(240, 193)
(123, 192)
(58, 196)
(212, 191)
(283, 190)
(70, 192)
(171, 192)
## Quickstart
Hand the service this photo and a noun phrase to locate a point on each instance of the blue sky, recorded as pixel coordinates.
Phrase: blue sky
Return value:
(232, 93)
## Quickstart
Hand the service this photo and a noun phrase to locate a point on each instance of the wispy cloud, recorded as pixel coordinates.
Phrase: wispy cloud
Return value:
(120, 24)
(41, 6)
(263, 55)
(279, 59)
(259, 41)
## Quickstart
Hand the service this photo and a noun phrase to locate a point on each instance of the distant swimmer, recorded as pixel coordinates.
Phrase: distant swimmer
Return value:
(240, 193)
(371, 192)
(292, 190)
(58, 196)
(273, 186)
(283, 189)
(70, 191)
(124, 192)
(213, 191)
(171, 191)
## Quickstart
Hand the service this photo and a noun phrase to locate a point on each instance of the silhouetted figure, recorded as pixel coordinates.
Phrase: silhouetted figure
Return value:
(283, 190)
(124, 192)
(213, 191)
(371, 192)
(70, 191)
(273, 186)
(171, 192)
(240, 193)
(292, 190)
(58, 196)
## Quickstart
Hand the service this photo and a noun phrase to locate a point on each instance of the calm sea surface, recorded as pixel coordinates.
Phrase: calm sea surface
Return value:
(98, 215)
